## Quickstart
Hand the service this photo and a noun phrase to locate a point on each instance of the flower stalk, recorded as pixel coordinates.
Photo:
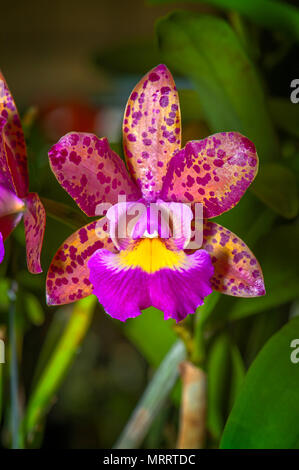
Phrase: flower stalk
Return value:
(192, 430)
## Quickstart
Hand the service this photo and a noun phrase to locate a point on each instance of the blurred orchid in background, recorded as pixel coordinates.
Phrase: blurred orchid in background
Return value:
(149, 271)
(15, 200)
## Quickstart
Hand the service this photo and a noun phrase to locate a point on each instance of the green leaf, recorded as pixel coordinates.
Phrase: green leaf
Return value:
(58, 365)
(151, 334)
(266, 412)
(276, 186)
(206, 50)
(269, 14)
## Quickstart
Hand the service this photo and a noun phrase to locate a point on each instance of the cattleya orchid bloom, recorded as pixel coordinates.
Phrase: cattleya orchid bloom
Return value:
(15, 200)
(145, 269)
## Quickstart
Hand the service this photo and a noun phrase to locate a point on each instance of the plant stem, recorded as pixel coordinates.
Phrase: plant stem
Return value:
(193, 407)
(14, 380)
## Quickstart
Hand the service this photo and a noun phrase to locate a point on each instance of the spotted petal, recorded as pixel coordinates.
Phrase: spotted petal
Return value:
(215, 171)
(152, 129)
(237, 271)
(35, 223)
(68, 275)
(12, 145)
(90, 171)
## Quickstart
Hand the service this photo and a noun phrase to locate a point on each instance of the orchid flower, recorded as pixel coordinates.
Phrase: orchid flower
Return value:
(15, 200)
(130, 275)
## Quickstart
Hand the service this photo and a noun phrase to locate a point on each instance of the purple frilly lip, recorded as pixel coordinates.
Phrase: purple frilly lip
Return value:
(124, 292)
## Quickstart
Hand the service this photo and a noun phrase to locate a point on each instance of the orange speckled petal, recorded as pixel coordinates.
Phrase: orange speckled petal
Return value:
(215, 171)
(237, 271)
(152, 129)
(68, 275)
(35, 223)
(12, 144)
(89, 170)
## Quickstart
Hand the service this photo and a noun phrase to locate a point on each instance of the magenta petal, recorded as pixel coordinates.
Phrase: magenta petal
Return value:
(125, 291)
(215, 171)
(35, 223)
(2, 251)
(90, 171)
(178, 293)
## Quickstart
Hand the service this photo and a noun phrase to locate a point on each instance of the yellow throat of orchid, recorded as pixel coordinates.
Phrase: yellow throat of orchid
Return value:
(151, 255)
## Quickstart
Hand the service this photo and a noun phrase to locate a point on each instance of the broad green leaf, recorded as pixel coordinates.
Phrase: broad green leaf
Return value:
(266, 13)
(266, 412)
(58, 365)
(276, 186)
(285, 115)
(206, 50)
(151, 334)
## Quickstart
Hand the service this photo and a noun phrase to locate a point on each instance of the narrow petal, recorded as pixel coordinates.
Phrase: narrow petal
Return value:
(35, 223)
(14, 140)
(150, 274)
(68, 275)
(152, 129)
(237, 271)
(2, 251)
(9, 222)
(90, 171)
(9, 202)
(215, 171)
